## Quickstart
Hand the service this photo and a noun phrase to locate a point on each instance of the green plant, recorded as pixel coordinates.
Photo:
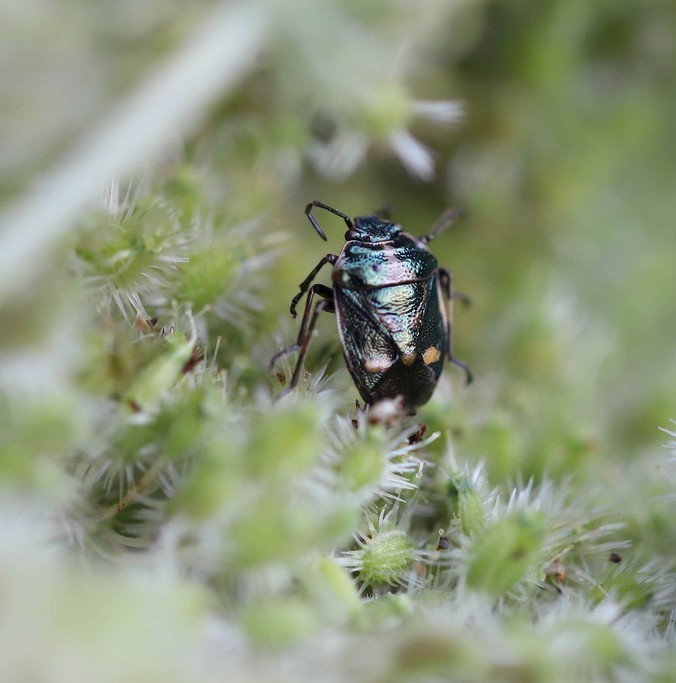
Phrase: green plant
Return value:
(163, 517)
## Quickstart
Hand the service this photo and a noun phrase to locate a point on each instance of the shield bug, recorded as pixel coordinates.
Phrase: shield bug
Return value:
(393, 306)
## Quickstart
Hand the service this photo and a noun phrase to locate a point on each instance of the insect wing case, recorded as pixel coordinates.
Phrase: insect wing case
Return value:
(391, 318)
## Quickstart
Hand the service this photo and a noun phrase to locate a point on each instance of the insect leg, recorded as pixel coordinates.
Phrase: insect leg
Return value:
(446, 281)
(329, 258)
(463, 298)
(445, 220)
(322, 290)
(326, 207)
(306, 329)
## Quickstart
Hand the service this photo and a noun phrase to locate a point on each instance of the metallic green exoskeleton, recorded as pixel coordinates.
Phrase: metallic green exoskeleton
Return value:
(393, 305)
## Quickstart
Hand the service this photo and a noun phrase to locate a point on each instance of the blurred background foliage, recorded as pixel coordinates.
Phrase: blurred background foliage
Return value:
(156, 160)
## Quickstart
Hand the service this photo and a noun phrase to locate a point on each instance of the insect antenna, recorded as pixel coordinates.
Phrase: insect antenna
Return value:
(446, 219)
(326, 207)
(384, 212)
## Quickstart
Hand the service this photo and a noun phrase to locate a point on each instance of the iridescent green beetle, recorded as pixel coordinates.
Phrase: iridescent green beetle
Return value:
(393, 305)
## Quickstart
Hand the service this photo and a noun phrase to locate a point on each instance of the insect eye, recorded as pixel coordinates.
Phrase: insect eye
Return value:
(354, 235)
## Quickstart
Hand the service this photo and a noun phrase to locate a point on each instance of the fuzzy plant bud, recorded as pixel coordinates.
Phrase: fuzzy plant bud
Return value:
(278, 622)
(362, 462)
(470, 504)
(506, 552)
(153, 383)
(285, 441)
(383, 558)
(332, 589)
